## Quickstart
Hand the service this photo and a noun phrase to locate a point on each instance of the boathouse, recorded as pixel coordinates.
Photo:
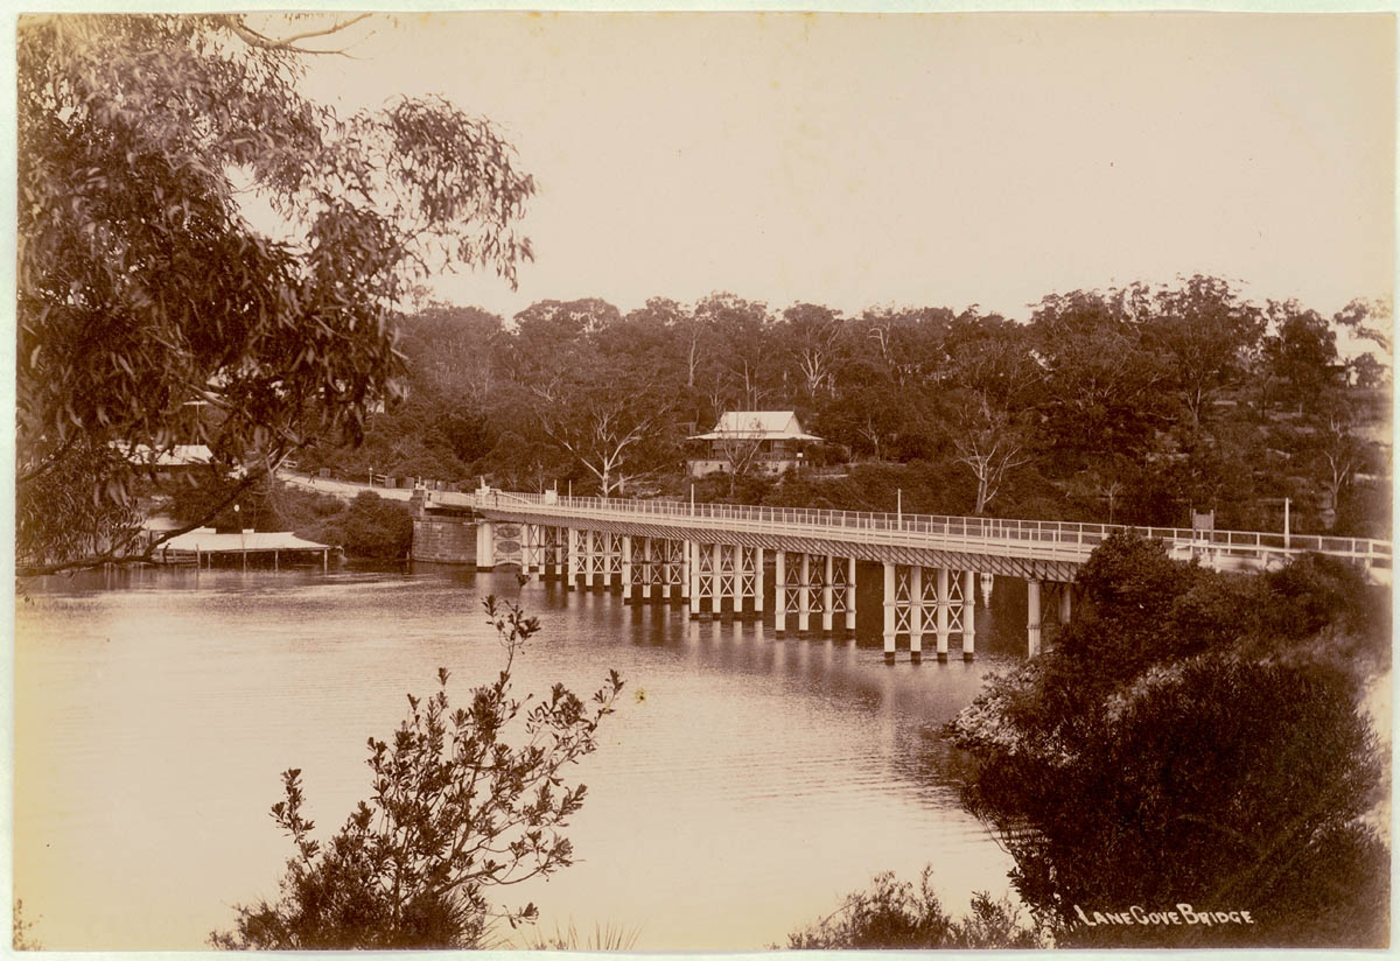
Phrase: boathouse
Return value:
(203, 547)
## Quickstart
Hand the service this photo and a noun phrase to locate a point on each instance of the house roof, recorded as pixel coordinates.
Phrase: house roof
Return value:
(180, 455)
(206, 540)
(757, 425)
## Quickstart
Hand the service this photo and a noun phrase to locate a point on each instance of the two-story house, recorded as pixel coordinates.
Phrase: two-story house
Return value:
(764, 441)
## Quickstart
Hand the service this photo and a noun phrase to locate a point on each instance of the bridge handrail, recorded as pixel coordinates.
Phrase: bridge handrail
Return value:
(1069, 537)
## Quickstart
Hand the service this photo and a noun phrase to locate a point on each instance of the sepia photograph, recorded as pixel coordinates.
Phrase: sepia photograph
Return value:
(702, 481)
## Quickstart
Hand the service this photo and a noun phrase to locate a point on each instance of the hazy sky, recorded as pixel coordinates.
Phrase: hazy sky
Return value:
(939, 159)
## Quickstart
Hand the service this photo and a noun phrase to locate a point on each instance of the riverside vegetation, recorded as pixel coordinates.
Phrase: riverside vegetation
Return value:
(455, 812)
(1192, 738)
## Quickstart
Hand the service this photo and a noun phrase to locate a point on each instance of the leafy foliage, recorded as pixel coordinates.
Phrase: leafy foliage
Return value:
(1194, 737)
(143, 287)
(1140, 405)
(455, 811)
(372, 527)
(895, 915)
(67, 515)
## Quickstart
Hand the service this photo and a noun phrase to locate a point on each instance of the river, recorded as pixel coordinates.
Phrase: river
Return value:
(743, 786)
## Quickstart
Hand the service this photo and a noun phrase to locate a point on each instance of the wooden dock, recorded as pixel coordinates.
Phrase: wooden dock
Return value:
(200, 548)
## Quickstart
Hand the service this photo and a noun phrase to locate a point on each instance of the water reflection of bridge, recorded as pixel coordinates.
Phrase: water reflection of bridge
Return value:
(714, 558)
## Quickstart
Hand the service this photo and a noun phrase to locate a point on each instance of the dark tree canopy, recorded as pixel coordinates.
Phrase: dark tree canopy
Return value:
(1194, 738)
(143, 287)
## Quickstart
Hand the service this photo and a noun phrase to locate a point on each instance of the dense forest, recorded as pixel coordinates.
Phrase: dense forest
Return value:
(1136, 405)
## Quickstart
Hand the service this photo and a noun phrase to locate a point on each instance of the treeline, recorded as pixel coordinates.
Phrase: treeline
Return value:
(1136, 405)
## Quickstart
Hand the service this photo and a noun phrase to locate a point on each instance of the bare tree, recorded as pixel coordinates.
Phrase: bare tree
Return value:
(991, 444)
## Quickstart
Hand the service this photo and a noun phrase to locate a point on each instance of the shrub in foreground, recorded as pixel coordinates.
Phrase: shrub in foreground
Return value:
(454, 811)
(894, 914)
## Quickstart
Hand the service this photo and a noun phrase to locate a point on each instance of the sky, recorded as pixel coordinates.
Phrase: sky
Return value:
(917, 160)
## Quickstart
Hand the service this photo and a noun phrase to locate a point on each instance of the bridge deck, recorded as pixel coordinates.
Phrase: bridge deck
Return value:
(1057, 542)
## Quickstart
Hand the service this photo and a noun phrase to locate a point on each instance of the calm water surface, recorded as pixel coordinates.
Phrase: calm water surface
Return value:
(743, 786)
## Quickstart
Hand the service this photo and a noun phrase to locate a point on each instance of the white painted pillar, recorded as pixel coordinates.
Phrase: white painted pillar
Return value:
(692, 563)
(969, 615)
(987, 581)
(530, 551)
(1032, 617)
(779, 592)
(942, 615)
(1066, 603)
(716, 591)
(626, 569)
(758, 582)
(590, 558)
(916, 613)
(851, 594)
(827, 594)
(739, 574)
(804, 613)
(571, 561)
(889, 610)
(485, 545)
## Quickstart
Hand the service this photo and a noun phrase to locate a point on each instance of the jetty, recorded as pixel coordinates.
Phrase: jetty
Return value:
(201, 546)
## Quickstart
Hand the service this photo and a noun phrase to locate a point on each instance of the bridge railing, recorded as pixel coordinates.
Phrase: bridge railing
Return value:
(1062, 538)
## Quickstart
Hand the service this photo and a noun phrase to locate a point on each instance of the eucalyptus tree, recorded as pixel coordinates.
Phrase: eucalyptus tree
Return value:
(741, 330)
(143, 286)
(1208, 334)
(1370, 319)
(455, 354)
(1104, 381)
(812, 337)
(1299, 355)
(591, 389)
(995, 385)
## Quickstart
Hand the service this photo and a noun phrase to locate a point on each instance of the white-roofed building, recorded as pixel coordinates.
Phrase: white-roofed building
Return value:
(766, 441)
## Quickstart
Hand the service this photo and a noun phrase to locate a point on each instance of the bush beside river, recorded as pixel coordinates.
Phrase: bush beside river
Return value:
(368, 527)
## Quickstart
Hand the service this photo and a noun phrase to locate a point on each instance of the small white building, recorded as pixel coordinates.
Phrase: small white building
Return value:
(763, 441)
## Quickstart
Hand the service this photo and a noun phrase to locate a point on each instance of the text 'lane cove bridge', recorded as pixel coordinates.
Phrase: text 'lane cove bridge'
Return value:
(713, 557)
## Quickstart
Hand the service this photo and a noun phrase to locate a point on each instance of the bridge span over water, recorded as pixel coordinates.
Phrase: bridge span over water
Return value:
(714, 558)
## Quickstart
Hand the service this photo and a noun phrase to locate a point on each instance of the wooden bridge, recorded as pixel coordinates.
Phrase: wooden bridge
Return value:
(714, 557)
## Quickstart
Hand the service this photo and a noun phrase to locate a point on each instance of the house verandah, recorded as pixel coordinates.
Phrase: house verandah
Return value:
(763, 441)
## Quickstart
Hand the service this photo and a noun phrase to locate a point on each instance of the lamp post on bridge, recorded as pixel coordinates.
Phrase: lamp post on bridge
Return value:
(1287, 525)
(899, 507)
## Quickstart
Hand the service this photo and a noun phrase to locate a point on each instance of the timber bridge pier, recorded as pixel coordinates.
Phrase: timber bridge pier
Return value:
(714, 558)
